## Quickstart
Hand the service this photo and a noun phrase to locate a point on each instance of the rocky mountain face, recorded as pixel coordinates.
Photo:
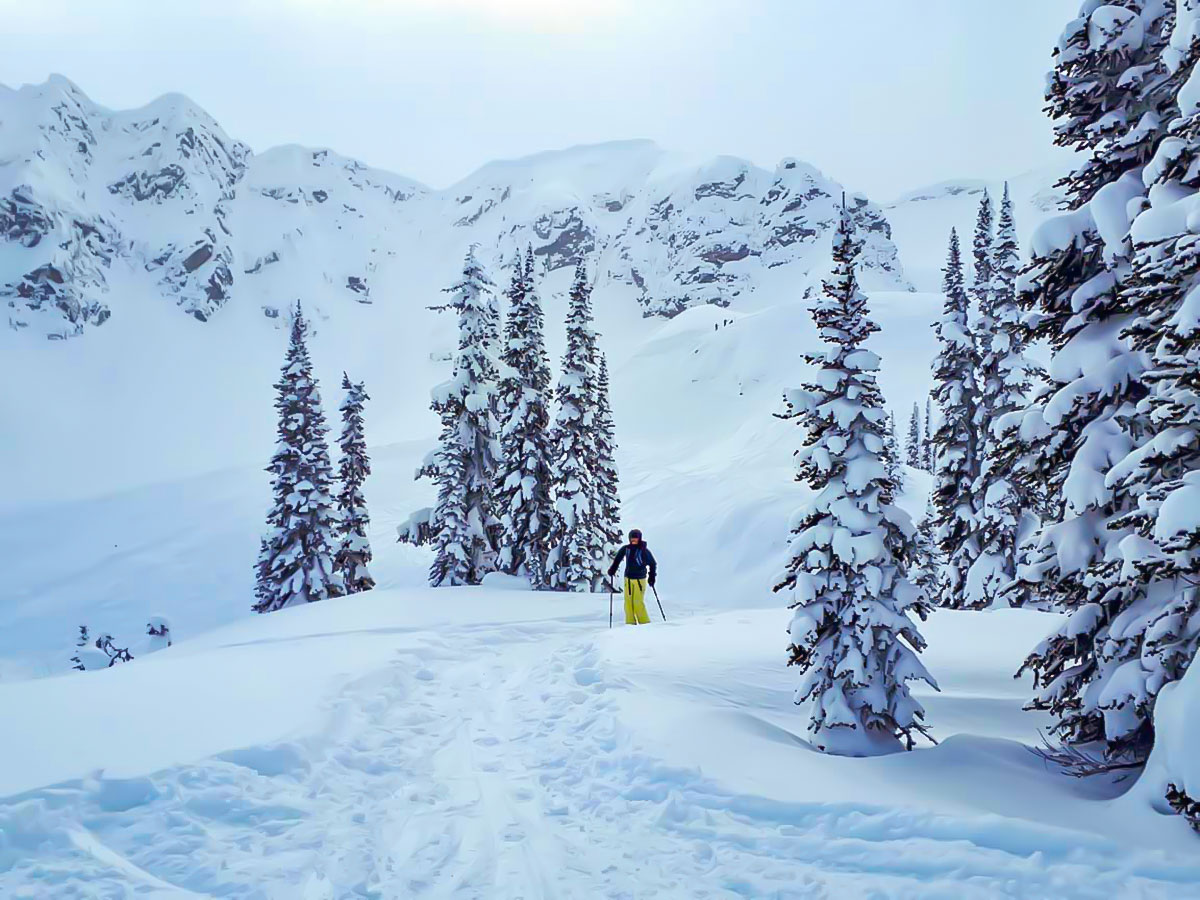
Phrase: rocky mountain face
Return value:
(160, 201)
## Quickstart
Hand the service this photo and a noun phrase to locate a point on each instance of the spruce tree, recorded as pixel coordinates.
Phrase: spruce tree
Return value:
(79, 660)
(1003, 379)
(927, 440)
(1112, 96)
(914, 453)
(955, 448)
(296, 562)
(577, 539)
(354, 548)
(608, 488)
(927, 558)
(851, 631)
(262, 567)
(981, 250)
(891, 450)
(462, 523)
(523, 500)
(1148, 631)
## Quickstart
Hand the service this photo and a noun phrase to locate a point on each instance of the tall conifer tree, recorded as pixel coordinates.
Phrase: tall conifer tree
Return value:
(914, 454)
(608, 482)
(354, 547)
(296, 556)
(577, 539)
(927, 441)
(955, 453)
(1113, 97)
(1003, 379)
(851, 632)
(523, 496)
(463, 523)
(981, 250)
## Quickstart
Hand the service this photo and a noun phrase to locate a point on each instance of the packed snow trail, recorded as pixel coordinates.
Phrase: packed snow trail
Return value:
(527, 759)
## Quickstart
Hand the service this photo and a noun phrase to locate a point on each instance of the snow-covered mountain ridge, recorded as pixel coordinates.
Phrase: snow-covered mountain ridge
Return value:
(200, 220)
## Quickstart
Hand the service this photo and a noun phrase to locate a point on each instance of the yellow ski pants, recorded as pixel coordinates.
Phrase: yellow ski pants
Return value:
(635, 602)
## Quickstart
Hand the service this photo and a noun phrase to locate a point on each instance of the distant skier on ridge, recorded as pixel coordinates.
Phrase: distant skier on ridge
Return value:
(639, 562)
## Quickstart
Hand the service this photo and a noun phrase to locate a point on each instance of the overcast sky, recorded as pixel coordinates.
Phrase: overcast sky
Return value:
(883, 95)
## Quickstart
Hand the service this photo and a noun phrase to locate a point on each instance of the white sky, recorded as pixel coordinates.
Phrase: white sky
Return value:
(883, 95)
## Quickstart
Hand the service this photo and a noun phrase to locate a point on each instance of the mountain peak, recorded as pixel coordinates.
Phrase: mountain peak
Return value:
(201, 220)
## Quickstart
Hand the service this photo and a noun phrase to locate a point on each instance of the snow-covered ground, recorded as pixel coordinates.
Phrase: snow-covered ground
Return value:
(489, 742)
(493, 743)
(706, 468)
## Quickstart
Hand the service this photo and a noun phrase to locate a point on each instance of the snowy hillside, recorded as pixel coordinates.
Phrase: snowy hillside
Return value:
(199, 220)
(478, 741)
(487, 743)
(922, 218)
(131, 475)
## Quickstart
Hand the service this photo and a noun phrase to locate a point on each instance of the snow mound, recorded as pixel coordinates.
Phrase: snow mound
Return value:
(510, 745)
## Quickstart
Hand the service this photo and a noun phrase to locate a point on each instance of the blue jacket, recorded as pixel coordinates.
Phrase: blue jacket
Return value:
(637, 560)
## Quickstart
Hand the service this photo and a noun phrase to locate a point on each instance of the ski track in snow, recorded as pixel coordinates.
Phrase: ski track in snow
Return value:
(512, 775)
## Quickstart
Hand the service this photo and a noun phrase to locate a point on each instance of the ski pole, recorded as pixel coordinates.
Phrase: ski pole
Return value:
(656, 597)
(611, 590)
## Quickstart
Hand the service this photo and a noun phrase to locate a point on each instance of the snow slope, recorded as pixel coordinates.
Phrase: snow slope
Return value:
(921, 219)
(485, 742)
(706, 467)
(481, 742)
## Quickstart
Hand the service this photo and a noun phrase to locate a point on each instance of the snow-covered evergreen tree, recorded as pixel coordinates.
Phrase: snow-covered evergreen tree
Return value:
(523, 495)
(851, 631)
(955, 442)
(891, 455)
(927, 558)
(1003, 380)
(262, 565)
(608, 485)
(296, 564)
(100, 653)
(914, 454)
(78, 661)
(354, 548)
(466, 462)
(577, 539)
(1112, 94)
(1148, 630)
(981, 250)
(927, 440)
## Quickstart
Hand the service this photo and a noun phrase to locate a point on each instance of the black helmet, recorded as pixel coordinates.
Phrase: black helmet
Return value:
(636, 533)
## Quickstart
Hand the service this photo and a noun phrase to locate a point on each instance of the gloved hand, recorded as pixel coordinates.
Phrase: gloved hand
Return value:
(653, 578)
(612, 571)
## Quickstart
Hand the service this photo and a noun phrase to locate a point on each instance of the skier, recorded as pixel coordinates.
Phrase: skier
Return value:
(638, 561)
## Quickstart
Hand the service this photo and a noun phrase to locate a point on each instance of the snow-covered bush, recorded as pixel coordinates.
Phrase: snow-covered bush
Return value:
(159, 630)
(100, 653)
